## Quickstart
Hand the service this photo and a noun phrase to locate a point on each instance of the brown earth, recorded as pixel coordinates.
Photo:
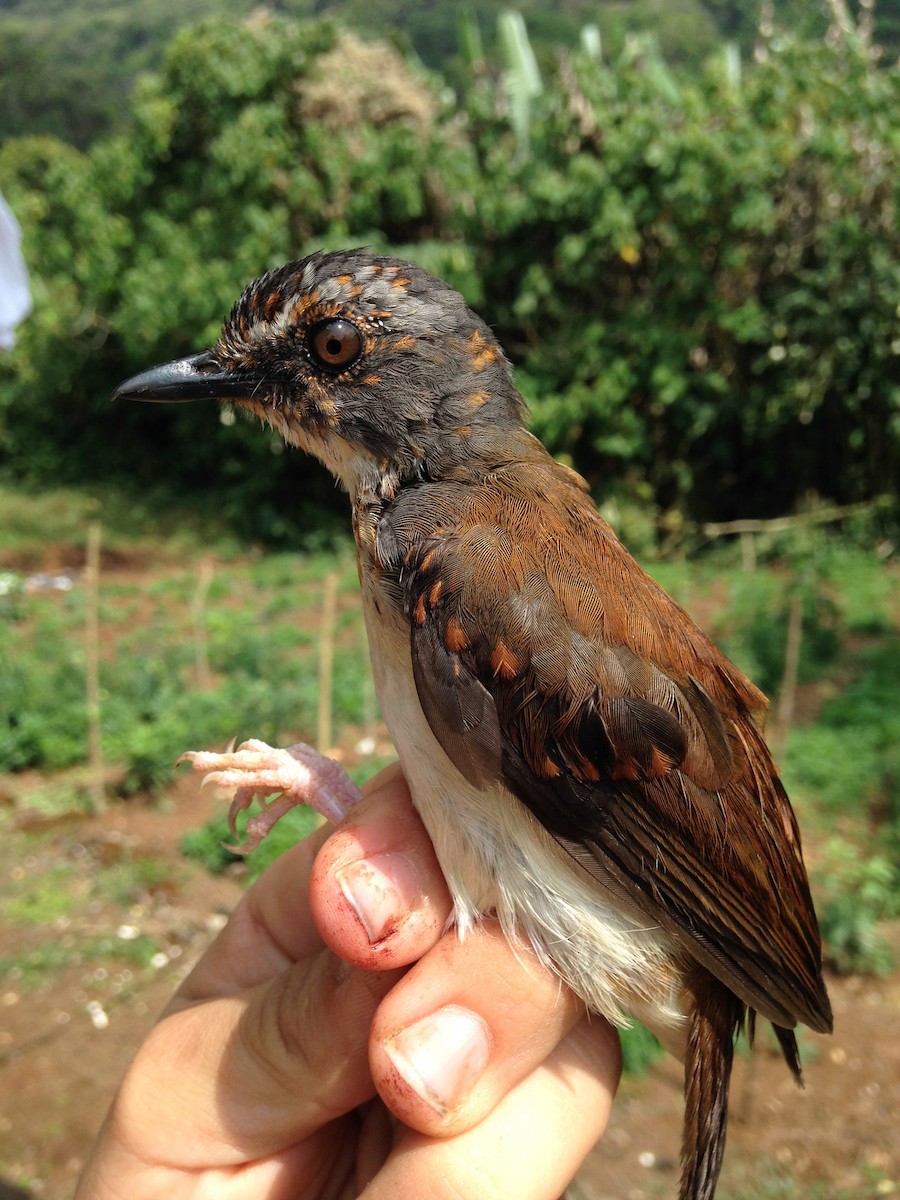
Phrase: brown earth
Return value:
(64, 1045)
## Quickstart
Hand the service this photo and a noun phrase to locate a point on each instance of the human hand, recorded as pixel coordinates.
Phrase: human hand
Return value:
(334, 1042)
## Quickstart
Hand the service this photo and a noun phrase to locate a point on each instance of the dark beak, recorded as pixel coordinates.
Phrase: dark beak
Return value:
(196, 378)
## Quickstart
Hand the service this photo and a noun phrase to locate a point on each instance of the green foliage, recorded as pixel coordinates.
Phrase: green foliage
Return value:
(207, 845)
(678, 310)
(767, 1179)
(136, 878)
(65, 67)
(31, 523)
(696, 277)
(42, 713)
(292, 828)
(820, 573)
(255, 143)
(41, 899)
(848, 763)
(32, 967)
(264, 666)
(864, 717)
(858, 892)
(640, 1050)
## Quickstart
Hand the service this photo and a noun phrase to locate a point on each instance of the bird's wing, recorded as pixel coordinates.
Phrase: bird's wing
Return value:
(546, 659)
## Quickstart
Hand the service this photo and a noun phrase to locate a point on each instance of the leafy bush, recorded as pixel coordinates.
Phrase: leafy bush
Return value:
(696, 276)
(640, 1050)
(239, 158)
(263, 656)
(848, 765)
(42, 706)
(208, 844)
(858, 893)
(863, 716)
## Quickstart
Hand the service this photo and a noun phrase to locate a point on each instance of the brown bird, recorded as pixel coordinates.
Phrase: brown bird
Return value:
(588, 764)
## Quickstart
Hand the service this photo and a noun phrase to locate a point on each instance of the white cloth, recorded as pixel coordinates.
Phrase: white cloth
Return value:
(15, 298)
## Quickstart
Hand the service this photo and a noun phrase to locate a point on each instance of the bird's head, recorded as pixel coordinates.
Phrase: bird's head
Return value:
(371, 364)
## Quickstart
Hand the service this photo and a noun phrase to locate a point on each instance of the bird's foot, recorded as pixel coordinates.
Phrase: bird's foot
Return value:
(292, 776)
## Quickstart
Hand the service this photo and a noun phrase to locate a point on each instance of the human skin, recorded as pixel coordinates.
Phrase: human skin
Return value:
(334, 1041)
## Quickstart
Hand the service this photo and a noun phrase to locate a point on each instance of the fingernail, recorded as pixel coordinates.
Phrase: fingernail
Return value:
(380, 889)
(442, 1055)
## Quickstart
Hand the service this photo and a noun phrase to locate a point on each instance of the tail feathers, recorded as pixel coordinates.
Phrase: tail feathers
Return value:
(716, 1018)
(788, 1044)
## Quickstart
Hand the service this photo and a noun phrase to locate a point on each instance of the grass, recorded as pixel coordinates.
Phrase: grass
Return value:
(40, 899)
(38, 524)
(30, 968)
(766, 1179)
(32, 522)
(53, 906)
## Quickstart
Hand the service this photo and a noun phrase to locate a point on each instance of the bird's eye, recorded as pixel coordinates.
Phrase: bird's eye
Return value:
(335, 344)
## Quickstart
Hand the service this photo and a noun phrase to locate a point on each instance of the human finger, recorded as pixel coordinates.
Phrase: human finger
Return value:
(377, 894)
(245, 1076)
(531, 1144)
(464, 1026)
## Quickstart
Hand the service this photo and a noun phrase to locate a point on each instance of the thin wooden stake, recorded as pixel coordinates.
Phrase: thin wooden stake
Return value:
(748, 551)
(326, 662)
(787, 696)
(203, 675)
(92, 666)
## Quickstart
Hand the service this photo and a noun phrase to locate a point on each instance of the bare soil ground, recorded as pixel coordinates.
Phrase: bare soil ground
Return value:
(65, 1042)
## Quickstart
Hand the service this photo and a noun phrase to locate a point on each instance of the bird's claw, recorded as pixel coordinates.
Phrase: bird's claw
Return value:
(280, 779)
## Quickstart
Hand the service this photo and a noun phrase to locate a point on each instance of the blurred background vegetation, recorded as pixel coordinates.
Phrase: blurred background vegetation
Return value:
(694, 268)
(680, 219)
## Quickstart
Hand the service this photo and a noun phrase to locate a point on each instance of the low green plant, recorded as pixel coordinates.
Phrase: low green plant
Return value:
(32, 521)
(640, 1049)
(857, 892)
(131, 881)
(766, 1179)
(32, 967)
(864, 715)
(209, 845)
(262, 657)
(40, 899)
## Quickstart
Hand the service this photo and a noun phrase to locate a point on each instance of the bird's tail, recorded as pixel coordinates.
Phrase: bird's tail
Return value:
(716, 1019)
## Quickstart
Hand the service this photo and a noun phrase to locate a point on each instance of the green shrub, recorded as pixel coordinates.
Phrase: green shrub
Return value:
(696, 277)
(858, 893)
